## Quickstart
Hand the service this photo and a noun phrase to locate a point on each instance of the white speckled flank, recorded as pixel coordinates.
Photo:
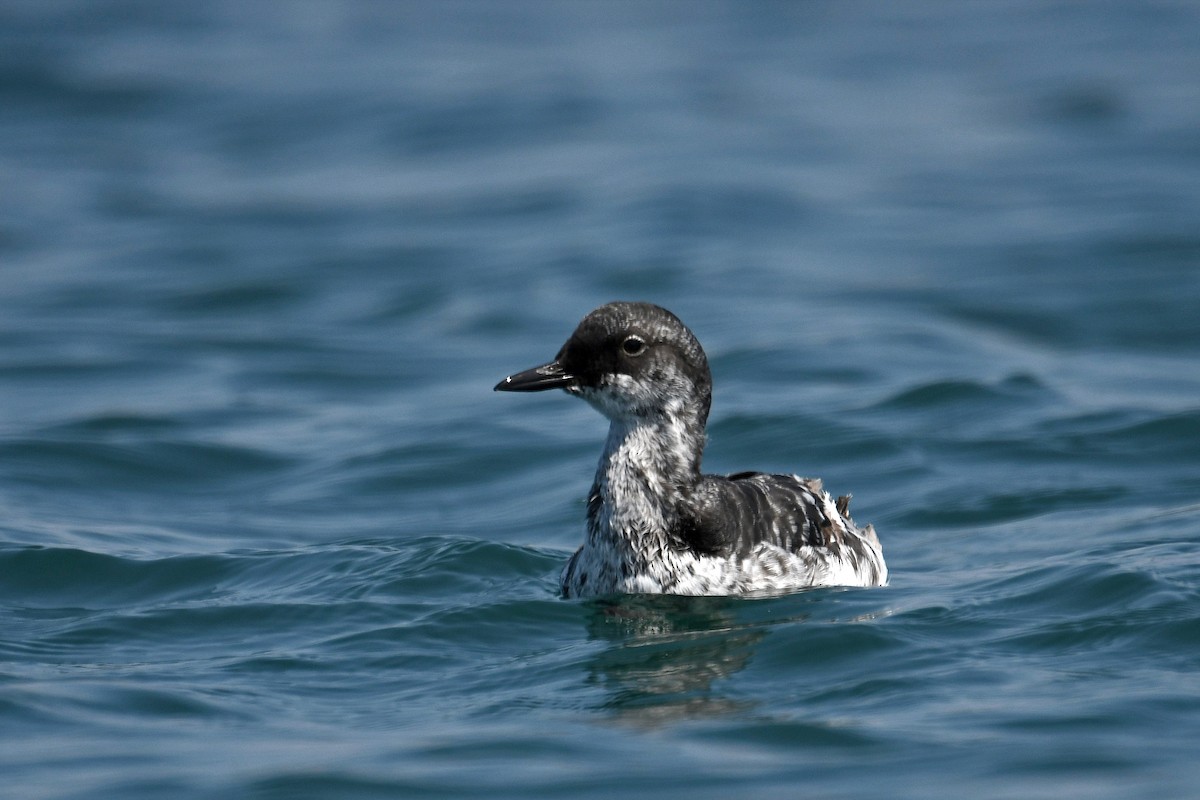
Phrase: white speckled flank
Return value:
(655, 524)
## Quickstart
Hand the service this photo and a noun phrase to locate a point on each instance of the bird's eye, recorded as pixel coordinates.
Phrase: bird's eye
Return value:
(633, 346)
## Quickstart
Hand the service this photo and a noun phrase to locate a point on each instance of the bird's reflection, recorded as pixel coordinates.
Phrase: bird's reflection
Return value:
(668, 655)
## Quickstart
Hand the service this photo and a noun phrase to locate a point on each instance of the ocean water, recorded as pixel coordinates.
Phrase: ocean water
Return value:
(266, 531)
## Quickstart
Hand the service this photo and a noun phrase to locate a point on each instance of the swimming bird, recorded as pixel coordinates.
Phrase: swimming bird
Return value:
(655, 523)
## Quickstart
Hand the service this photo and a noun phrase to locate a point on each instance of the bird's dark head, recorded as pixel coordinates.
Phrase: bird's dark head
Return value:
(628, 360)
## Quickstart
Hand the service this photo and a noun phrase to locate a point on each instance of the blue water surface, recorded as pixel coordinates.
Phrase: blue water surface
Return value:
(265, 530)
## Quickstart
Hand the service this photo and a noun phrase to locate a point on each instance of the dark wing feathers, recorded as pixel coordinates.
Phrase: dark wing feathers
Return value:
(724, 516)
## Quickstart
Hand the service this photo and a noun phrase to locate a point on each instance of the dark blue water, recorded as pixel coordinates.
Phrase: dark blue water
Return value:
(265, 530)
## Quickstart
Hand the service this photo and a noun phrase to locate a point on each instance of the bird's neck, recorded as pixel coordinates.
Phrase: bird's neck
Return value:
(648, 466)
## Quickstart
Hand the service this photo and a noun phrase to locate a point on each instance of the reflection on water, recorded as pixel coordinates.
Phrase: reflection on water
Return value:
(668, 655)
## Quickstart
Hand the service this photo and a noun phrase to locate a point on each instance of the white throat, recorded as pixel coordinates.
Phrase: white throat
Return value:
(646, 466)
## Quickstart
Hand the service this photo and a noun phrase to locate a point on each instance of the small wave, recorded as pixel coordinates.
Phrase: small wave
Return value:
(135, 465)
(987, 506)
(1159, 438)
(56, 577)
(1094, 611)
(1015, 390)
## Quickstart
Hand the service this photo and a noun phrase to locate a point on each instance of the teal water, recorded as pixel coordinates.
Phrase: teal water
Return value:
(266, 531)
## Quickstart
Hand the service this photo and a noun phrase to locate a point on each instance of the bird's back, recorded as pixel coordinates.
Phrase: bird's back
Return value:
(746, 514)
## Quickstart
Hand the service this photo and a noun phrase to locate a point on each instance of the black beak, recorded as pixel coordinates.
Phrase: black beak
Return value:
(538, 379)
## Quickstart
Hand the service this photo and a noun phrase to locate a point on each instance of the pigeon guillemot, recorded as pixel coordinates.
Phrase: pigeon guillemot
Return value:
(655, 524)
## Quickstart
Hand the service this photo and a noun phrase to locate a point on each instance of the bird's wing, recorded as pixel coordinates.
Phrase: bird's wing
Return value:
(735, 514)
